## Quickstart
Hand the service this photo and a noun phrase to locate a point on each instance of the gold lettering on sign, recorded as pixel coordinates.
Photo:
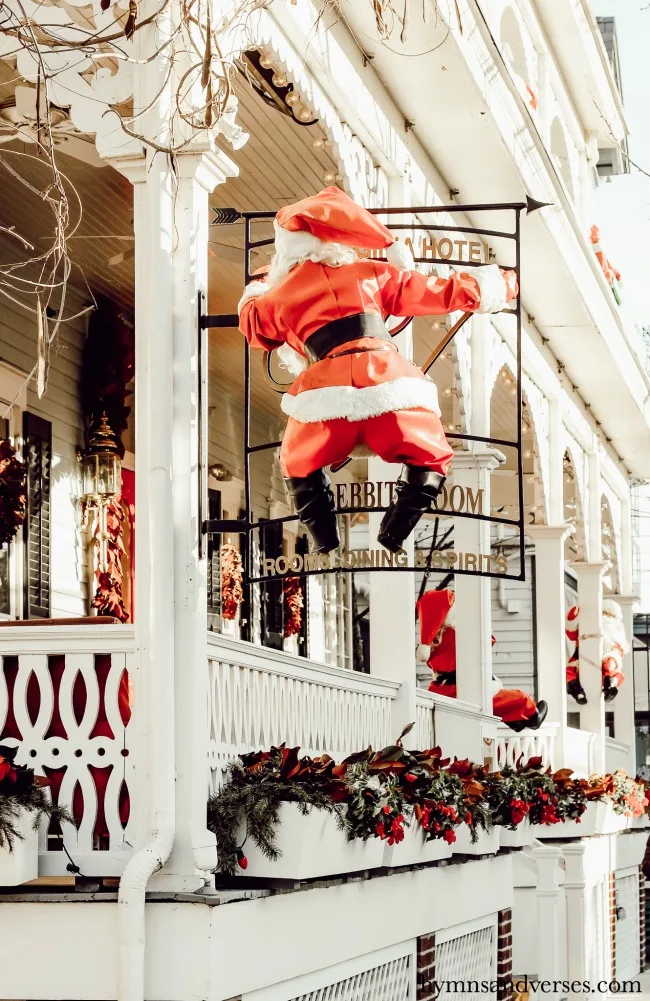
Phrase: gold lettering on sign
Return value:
(443, 249)
(371, 495)
(360, 559)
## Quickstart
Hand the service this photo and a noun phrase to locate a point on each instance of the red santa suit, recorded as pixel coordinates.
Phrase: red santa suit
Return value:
(321, 302)
(615, 647)
(437, 648)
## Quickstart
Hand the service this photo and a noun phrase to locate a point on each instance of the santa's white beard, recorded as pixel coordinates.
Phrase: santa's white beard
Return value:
(614, 636)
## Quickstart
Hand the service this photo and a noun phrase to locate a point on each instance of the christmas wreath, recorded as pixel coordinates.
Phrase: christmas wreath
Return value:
(293, 604)
(232, 591)
(21, 790)
(13, 498)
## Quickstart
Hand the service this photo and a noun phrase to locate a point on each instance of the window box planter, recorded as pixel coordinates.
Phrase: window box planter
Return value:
(519, 838)
(21, 864)
(487, 844)
(599, 818)
(414, 850)
(312, 847)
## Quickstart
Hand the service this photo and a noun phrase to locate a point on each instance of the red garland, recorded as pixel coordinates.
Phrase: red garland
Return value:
(108, 598)
(232, 592)
(13, 498)
(293, 605)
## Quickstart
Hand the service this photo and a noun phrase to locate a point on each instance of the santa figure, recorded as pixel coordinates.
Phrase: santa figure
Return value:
(615, 646)
(323, 306)
(437, 648)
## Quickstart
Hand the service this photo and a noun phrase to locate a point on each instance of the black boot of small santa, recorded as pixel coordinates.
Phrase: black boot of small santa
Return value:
(575, 689)
(314, 503)
(417, 489)
(533, 722)
(610, 691)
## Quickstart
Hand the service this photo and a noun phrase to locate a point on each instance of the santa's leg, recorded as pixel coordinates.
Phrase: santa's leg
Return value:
(306, 448)
(612, 677)
(416, 438)
(573, 686)
(519, 710)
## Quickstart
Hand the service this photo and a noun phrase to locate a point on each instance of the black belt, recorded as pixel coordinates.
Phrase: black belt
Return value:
(347, 328)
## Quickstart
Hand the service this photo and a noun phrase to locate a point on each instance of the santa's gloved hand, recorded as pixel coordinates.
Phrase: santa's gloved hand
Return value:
(252, 290)
(423, 652)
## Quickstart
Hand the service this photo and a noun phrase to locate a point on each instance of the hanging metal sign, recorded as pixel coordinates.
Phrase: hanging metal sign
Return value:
(432, 244)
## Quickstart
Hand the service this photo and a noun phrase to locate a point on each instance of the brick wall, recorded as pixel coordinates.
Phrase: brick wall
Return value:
(642, 923)
(612, 920)
(504, 955)
(426, 971)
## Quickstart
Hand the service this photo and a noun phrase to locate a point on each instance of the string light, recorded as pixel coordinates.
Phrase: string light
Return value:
(293, 98)
(266, 62)
(330, 177)
(446, 392)
(319, 143)
(280, 79)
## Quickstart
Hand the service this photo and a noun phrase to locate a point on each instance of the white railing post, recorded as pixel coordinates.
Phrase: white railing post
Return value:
(575, 887)
(624, 727)
(549, 919)
(590, 600)
(550, 621)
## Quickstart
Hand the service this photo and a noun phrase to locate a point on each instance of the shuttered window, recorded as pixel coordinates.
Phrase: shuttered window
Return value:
(37, 455)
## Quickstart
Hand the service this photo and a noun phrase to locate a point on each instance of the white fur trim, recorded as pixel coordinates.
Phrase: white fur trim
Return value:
(496, 685)
(422, 653)
(492, 288)
(400, 256)
(252, 290)
(332, 402)
(291, 360)
(293, 248)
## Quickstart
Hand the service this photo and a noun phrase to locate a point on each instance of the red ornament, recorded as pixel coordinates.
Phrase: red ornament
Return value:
(242, 862)
(410, 777)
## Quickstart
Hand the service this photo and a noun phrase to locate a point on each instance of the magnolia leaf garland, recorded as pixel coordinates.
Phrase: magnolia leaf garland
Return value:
(232, 591)
(13, 492)
(293, 605)
(109, 599)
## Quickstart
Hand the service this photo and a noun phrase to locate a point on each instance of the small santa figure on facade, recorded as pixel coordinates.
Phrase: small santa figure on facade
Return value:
(437, 648)
(323, 306)
(615, 647)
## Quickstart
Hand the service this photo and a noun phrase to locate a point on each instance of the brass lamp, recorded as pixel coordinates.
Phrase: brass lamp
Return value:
(101, 471)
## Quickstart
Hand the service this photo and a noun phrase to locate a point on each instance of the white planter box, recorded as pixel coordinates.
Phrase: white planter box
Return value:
(21, 864)
(641, 823)
(487, 843)
(519, 838)
(414, 850)
(599, 818)
(312, 847)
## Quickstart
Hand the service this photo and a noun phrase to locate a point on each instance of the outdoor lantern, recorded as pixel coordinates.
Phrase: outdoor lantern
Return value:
(101, 468)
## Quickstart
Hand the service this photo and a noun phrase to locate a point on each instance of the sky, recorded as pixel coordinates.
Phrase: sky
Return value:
(622, 208)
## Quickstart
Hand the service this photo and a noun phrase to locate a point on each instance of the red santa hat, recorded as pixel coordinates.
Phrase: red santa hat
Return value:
(433, 610)
(333, 217)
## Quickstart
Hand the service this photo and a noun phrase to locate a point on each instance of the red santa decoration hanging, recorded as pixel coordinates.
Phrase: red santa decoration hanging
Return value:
(437, 648)
(615, 647)
(322, 305)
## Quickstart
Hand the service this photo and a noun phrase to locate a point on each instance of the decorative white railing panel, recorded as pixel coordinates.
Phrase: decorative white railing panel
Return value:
(513, 747)
(578, 751)
(260, 697)
(65, 703)
(450, 724)
(627, 926)
(617, 755)
(464, 953)
(388, 982)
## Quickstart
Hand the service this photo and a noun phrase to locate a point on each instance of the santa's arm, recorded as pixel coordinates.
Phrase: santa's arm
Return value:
(485, 290)
(254, 325)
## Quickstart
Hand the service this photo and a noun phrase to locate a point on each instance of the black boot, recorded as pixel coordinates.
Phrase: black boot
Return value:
(575, 689)
(610, 691)
(314, 503)
(417, 489)
(533, 722)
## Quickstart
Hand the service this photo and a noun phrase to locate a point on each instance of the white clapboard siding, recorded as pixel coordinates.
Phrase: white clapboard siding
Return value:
(61, 406)
(513, 657)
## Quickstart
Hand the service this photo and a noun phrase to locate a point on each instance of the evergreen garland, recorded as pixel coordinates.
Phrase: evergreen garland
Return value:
(21, 790)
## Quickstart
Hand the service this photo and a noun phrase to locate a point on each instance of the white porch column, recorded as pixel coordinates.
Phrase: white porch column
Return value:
(575, 886)
(551, 948)
(624, 728)
(556, 457)
(550, 615)
(471, 470)
(198, 173)
(590, 600)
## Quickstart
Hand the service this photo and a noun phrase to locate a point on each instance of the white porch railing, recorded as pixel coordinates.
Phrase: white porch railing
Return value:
(617, 755)
(578, 751)
(513, 747)
(260, 697)
(64, 703)
(450, 724)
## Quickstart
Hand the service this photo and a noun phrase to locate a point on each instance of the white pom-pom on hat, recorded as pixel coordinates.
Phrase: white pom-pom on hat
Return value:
(400, 256)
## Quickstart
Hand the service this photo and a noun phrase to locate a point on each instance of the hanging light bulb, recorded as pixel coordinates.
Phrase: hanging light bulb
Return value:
(279, 80)
(436, 326)
(527, 454)
(446, 392)
(266, 62)
(303, 114)
(293, 98)
(319, 143)
(330, 177)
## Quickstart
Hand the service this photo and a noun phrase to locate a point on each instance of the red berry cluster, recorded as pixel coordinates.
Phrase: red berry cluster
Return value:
(391, 831)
